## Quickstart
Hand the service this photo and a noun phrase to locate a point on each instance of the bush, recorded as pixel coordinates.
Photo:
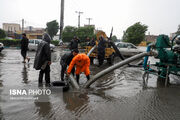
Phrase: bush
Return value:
(148, 42)
(83, 44)
(2, 33)
(11, 43)
(55, 42)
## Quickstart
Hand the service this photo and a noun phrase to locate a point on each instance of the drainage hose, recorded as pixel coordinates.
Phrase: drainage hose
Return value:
(115, 66)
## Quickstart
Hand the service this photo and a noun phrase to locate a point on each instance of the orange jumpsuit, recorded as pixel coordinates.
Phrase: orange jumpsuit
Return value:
(82, 63)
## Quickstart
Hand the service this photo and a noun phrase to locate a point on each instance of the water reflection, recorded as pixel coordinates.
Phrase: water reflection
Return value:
(76, 102)
(43, 105)
(25, 73)
(1, 113)
(43, 108)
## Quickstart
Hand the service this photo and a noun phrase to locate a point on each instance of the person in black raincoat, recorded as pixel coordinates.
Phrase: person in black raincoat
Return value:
(74, 43)
(42, 60)
(24, 47)
(66, 60)
(92, 42)
(101, 50)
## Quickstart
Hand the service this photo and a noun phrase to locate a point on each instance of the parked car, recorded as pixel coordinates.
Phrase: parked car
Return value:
(1, 47)
(128, 49)
(33, 43)
(60, 42)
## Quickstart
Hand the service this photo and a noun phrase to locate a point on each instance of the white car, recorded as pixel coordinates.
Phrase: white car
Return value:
(33, 43)
(1, 47)
(128, 49)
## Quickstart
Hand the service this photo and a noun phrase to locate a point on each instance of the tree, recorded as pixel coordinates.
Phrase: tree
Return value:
(52, 28)
(178, 31)
(82, 33)
(135, 34)
(114, 38)
(68, 33)
(2, 33)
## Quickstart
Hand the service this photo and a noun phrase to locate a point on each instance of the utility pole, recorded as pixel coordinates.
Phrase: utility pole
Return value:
(22, 25)
(61, 19)
(89, 19)
(79, 15)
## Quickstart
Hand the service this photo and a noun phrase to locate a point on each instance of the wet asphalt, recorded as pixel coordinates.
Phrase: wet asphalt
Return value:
(118, 95)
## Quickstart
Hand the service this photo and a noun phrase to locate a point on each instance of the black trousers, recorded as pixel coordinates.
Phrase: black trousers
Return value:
(101, 55)
(47, 75)
(63, 70)
(23, 53)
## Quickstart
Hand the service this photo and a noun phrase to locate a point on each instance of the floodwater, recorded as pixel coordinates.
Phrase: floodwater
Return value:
(119, 95)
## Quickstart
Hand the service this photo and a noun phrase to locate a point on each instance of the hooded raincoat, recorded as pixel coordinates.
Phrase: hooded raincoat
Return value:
(82, 63)
(43, 52)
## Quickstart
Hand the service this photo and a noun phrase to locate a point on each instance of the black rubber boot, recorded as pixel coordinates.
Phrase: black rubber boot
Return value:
(88, 77)
(77, 78)
(41, 76)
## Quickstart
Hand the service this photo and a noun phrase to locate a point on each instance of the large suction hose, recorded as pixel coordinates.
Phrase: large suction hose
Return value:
(120, 64)
(73, 82)
(92, 49)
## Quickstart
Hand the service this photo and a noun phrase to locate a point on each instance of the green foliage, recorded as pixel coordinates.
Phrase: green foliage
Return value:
(68, 33)
(148, 42)
(52, 28)
(82, 33)
(2, 33)
(135, 34)
(55, 42)
(114, 38)
(83, 44)
(12, 43)
(178, 31)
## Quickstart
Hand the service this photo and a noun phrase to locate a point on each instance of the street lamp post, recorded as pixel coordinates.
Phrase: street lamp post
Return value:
(61, 19)
(79, 15)
(89, 19)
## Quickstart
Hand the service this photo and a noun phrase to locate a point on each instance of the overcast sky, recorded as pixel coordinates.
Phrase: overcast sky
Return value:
(161, 16)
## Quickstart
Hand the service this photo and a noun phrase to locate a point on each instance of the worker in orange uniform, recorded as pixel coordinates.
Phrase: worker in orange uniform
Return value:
(82, 63)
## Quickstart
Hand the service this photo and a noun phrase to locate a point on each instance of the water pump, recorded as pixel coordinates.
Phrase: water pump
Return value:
(168, 55)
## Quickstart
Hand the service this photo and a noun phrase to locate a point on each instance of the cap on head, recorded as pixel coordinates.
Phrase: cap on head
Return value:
(24, 34)
(75, 50)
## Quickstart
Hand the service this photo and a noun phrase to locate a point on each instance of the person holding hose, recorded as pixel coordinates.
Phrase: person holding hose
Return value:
(66, 60)
(82, 63)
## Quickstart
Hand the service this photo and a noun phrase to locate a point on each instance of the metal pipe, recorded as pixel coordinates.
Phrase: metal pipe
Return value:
(92, 49)
(120, 64)
(73, 82)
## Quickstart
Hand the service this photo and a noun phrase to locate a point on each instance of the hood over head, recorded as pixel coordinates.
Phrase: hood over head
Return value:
(46, 38)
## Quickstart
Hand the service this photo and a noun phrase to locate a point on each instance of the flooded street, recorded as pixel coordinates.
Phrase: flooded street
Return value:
(119, 95)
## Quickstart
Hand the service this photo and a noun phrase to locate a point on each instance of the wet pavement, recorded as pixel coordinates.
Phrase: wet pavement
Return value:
(119, 95)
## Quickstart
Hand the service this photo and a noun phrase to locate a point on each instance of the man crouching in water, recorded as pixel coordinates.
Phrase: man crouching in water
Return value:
(65, 61)
(42, 60)
(82, 63)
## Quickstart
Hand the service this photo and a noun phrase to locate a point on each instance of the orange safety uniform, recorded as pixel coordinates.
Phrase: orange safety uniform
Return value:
(82, 63)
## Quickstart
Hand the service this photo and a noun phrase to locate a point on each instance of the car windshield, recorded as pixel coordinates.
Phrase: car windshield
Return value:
(36, 41)
(31, 41)
(125, 45)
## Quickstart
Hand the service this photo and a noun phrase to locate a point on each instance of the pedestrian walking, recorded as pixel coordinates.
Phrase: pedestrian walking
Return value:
(24, 48)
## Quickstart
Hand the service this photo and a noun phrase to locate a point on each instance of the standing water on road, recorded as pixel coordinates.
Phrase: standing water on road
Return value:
(119, 95)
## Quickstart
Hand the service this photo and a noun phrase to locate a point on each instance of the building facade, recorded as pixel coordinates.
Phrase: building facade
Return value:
(11, 27)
